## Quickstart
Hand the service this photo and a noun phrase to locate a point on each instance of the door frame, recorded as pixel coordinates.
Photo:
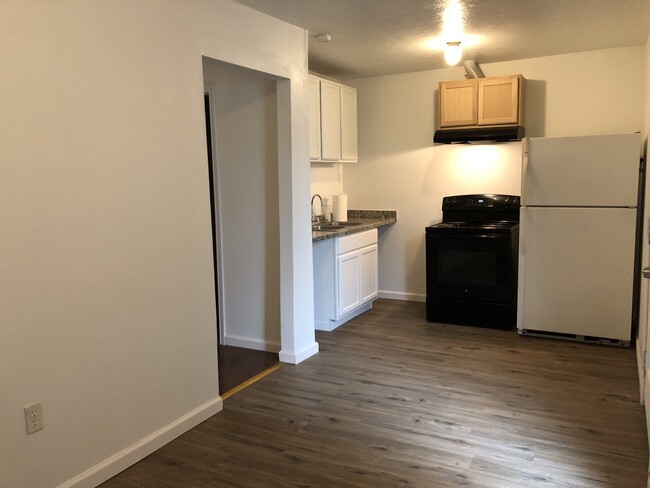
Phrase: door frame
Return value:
(215, 209)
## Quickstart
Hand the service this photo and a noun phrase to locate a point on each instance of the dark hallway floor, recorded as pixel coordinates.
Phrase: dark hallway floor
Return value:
(237, 365)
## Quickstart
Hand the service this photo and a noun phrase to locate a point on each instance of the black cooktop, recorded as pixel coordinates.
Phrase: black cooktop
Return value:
(484, 213)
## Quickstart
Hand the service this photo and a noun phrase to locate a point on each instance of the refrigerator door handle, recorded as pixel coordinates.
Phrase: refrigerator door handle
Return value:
(646, 272)
(524, 171)
(522, 230)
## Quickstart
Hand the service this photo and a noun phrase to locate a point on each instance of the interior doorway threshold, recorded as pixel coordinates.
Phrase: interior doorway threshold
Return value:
(250, 381)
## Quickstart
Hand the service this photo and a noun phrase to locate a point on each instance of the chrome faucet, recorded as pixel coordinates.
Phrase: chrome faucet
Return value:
(315, 218)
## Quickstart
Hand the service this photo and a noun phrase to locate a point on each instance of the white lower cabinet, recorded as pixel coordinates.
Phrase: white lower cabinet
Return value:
(368, 273)
(345, 278)
(348, 273)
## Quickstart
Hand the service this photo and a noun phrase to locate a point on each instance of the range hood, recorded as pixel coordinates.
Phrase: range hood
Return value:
(479, 134)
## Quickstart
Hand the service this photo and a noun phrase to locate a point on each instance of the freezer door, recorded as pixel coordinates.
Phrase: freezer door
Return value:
(581, 171)
(576, 271)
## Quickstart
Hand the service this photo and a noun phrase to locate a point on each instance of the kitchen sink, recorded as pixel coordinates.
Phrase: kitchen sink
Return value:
(333, 225)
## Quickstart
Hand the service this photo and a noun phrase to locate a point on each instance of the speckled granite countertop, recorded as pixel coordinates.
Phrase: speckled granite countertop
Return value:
(366, 220)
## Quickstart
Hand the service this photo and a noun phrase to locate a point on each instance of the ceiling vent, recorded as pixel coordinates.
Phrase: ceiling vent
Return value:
(472, 69)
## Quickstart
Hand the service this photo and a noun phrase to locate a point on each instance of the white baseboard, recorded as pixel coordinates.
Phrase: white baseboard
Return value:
(399, 295)
(295, 358)
(330, 325)
(141, 449)
(251, 343)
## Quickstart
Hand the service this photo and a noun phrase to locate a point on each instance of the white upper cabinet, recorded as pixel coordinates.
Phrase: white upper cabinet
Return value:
(330, 117)
(332, 121)
(314, 118)
(348, 124)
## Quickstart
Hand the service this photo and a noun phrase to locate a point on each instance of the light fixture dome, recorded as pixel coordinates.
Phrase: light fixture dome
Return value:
(453, 53)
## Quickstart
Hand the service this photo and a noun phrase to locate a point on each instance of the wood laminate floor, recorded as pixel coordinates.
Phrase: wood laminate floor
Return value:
(393, 401)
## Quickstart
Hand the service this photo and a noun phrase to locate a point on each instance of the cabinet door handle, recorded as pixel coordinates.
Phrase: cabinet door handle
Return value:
(646, 272)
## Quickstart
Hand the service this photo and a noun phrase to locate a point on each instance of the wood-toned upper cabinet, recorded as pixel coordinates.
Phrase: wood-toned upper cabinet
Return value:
(499, 101)
(458, 103)
(482, 102)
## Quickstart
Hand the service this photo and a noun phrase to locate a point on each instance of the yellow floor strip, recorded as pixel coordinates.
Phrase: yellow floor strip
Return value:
(249, 382)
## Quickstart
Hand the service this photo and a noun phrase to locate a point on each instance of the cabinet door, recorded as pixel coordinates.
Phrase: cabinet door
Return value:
(458, 103)
(498, 100)
(330, 106)
(348, 124)
(349, 291)
(368, 278)
(313, 104)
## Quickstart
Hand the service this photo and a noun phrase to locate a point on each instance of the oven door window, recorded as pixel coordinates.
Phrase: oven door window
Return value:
(478, 267)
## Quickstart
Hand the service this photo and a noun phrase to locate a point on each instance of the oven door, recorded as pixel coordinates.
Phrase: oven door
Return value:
(476, 267)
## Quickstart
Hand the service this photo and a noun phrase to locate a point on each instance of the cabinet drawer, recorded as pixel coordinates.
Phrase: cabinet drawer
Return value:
(355, 241)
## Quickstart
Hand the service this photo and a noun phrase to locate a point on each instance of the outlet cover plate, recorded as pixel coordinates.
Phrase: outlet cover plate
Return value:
(34, 418)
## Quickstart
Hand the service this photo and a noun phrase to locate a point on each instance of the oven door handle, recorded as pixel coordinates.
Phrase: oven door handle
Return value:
(473, 236)
(493, 236)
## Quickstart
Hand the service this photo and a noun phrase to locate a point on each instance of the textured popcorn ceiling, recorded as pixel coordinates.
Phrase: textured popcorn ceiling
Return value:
(376, 37)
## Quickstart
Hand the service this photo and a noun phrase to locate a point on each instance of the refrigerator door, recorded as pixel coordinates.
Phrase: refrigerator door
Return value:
(601, 171)
(575, 271)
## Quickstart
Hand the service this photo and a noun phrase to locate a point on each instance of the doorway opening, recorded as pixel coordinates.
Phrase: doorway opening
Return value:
(241, 133)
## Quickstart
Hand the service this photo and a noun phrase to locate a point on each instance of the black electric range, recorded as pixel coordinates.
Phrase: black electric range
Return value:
(472, 261)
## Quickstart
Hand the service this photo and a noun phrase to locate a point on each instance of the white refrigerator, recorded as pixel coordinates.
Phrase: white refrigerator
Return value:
(577, 237)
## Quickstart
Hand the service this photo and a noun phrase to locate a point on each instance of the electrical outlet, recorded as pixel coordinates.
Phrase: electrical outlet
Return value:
(34, 417)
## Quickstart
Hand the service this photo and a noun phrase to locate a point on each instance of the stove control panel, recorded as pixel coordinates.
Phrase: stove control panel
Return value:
(487, 202)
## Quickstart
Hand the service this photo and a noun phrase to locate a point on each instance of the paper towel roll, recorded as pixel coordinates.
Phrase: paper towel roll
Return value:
(340, 208)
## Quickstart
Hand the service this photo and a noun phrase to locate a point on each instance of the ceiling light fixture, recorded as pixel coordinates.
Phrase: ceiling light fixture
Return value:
(453, 53)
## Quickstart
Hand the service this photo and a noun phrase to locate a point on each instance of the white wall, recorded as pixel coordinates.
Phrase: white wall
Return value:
(246, 157)
(107, 309)
(400, 169)
(327, 179)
